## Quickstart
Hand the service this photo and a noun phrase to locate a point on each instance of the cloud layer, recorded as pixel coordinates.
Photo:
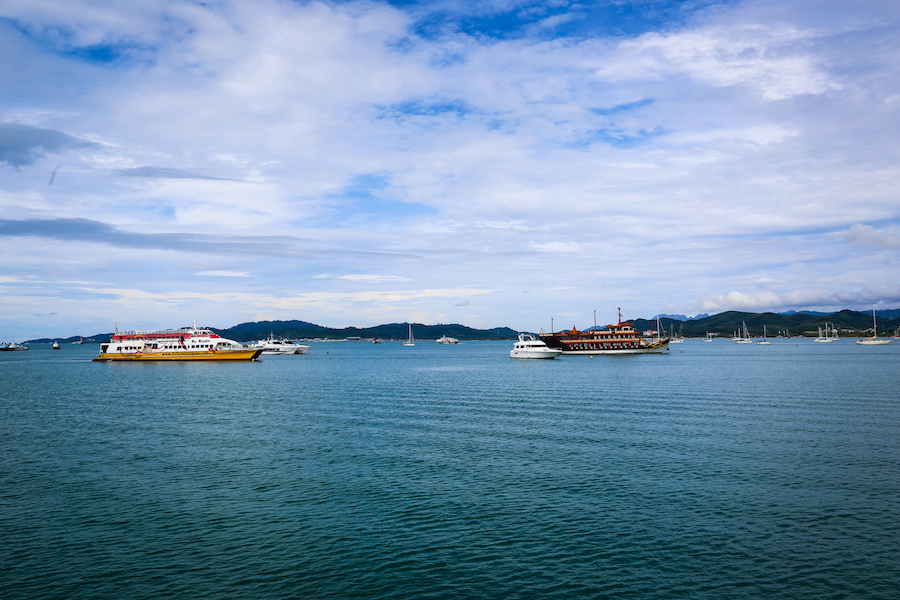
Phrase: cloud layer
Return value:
(494, 163)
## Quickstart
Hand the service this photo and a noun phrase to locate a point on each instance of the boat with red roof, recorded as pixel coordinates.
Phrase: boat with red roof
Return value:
(621, 338)
(192, 343)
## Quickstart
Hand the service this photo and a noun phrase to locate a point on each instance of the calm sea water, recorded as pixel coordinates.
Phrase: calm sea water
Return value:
(378, 471)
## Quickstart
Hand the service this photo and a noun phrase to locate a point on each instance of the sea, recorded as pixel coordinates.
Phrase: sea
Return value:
(715, 471)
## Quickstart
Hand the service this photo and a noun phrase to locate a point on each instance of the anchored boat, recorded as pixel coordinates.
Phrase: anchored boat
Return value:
(530, 347)
(621, 338)
(193, 343)
(272, 345)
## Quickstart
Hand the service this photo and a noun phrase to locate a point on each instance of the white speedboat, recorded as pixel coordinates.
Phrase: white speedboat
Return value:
(529, 346)
(55, 345)
(271, 345)
(447, 340)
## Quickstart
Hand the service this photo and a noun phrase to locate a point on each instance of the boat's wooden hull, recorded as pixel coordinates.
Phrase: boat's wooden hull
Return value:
(645, 348)
(205, 356)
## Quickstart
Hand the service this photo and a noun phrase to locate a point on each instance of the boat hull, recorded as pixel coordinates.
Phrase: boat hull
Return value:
(657, 348)
(204, 356)
(534, 354)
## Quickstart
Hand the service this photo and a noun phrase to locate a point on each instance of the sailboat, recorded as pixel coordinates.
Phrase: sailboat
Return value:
(745, 335)
(411, 341)
(873, 341)
(826, 337)
(708, 337)
(672, 338)
(764, 341)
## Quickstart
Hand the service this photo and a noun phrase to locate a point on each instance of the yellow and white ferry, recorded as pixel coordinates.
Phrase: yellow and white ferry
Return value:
(192, 343)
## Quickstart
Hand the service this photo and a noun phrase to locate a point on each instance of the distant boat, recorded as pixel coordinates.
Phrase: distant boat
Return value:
(12, 346)
(826, 337)
(447, 340)
(411, 341)
(764, 341)
(80, 340)
(708, 337)
(873, 341)
(673, 339)
(55, 345)
(745, 335)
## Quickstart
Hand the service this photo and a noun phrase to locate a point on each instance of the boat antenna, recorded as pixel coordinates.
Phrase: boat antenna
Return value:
(595, 319)
(551, 325)
(620, 314)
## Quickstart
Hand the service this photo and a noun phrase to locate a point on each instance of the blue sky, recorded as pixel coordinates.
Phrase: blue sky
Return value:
(493, 163)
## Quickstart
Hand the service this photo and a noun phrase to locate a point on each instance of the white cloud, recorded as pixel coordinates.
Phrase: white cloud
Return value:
(372, 278)
(223, 274)
(556, 247)
(866, 235)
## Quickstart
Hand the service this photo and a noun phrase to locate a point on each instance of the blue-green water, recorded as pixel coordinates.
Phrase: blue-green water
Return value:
(378, 471)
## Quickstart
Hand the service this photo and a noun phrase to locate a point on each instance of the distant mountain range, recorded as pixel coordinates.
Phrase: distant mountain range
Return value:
(794, 322)
(682, 317)
(722, 324)
(247, 332)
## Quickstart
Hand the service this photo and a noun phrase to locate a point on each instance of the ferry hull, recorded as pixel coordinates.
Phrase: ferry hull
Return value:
(206, 356)
(657, 348)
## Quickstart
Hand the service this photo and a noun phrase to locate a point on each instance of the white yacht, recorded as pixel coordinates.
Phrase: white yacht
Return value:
(271, 345)
(529, 346)
(411, 341)
(447, 340)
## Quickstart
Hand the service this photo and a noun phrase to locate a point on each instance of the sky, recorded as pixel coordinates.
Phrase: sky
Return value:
(489, 162)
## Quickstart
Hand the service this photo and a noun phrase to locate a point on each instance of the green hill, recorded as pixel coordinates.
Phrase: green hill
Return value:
(725, 324)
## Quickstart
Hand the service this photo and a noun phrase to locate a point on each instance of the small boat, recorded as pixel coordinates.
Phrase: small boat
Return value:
(708, 337)
(744, 338)
(446, 340)
(764, 341)
(55, 345)
(873, 341)
(193, 343)
(12, 347)
(529, 346)
(411, 341)
(826, 338)
(80, 340)
(271, 345)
